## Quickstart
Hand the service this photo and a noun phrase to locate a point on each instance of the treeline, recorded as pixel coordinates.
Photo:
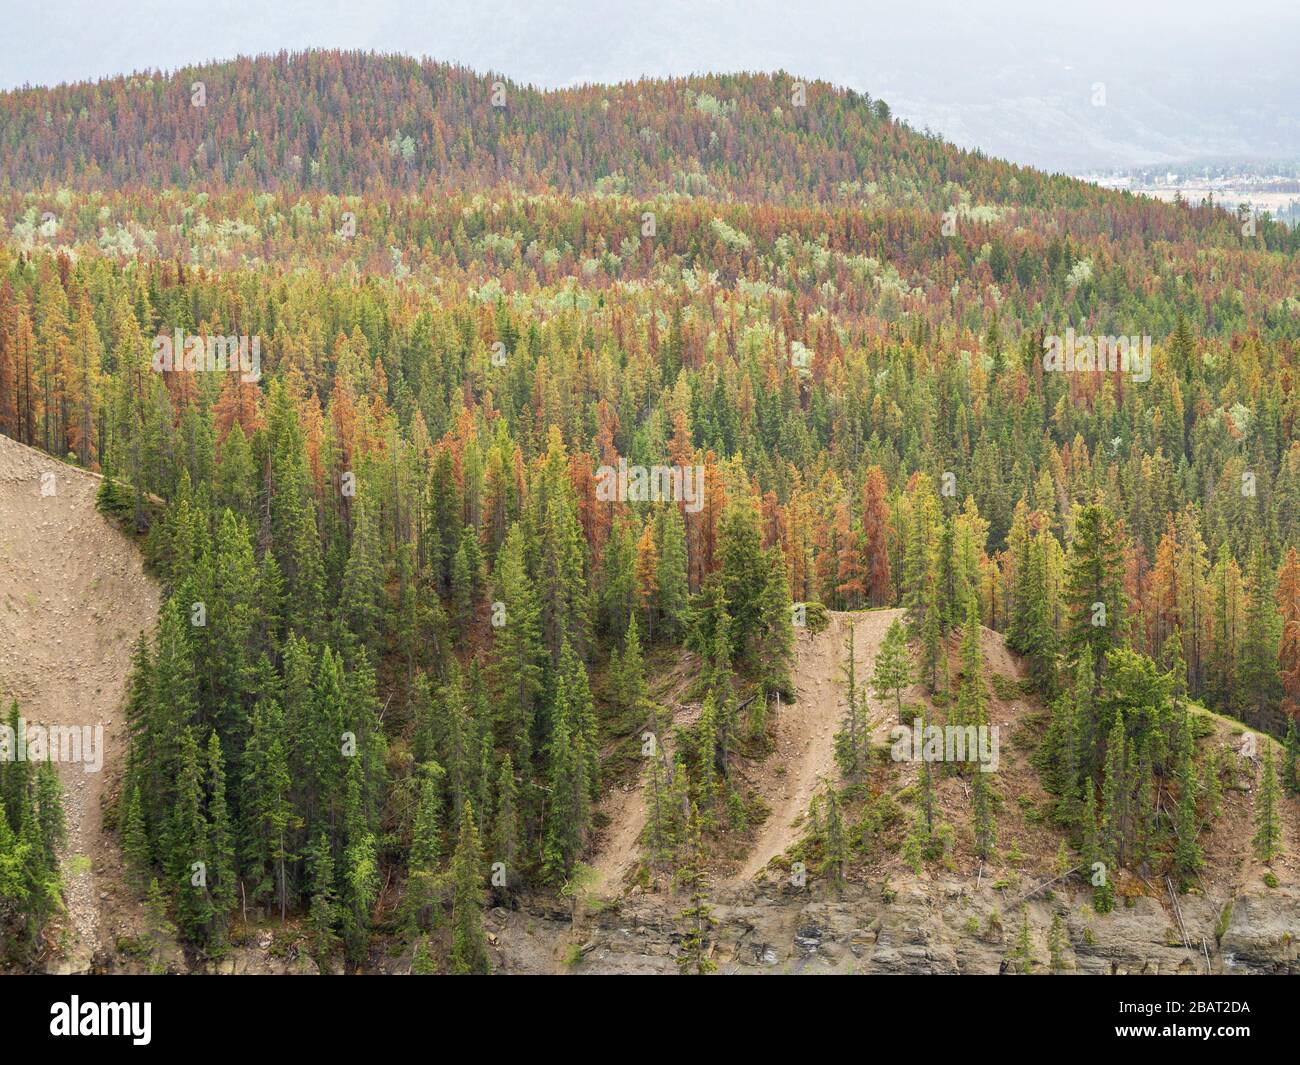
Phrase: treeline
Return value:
(350, 122)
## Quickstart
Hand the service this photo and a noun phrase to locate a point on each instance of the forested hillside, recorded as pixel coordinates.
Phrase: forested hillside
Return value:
(362, 345)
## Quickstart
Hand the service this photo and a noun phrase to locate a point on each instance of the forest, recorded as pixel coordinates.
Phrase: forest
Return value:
(406, 641)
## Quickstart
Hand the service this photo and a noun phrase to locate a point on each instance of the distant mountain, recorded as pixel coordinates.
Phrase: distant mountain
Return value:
(348, 122)
(1020, 82)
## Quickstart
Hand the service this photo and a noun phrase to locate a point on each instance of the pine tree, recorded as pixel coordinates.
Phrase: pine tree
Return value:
(875, 535)
(468, 941)
(1291, 760)
(569, 800)
(1267, 842)
(1038, 638)
(423, 882)
(583, 711)
(516, 671)
(774, 640)
(671, 589)
(1288, 602)
(362, 598)
(269, 815)
(1056, 944)
(658, 833)
(1094, 587)
(1187, 851)
(693, 959)
(630, 692)
(835, 839)
(744, 574)
(360, 865)
(323, 914)
(1098, 864)
(972, 696)
(221, 840)
(893, 672)
(705, 778)
(187, 844)
(618, 597)
(1023, 952)
(506, 842)
(1257, 673)
(1115, 797)
(135, 839)
(982, 820)
(931, 632)
(849, 741)
(647, 574)
(48, 813)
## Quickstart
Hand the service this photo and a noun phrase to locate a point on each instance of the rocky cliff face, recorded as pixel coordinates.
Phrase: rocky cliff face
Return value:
(934, 927)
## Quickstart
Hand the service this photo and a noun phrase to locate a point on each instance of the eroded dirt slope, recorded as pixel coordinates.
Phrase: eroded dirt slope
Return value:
(804, 732)
(73, 598)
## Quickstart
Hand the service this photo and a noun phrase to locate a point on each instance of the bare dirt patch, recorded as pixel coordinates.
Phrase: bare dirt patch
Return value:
(73, 599)
(804, 731)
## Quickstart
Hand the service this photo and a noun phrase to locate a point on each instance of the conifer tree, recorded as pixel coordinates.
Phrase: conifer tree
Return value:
(1267, 842)
(269, 815)
(671, 588)
(1257, 672)
(506, 844)
(187, 844)
(893, 672)
(985, 829)
(694, 960)
(658, 833)
(1187, 851)
(931, 632)
(744, 573)
(583, 711)
(851, 740)
(705, 778)
(569, 799)
(516, 670)
(360, 866)
(1115, 797)
(1094, 587)
(1056, 943)
(422, 878)
(468, 940)
(972, 696)
(362, 597)
(323, 914)
(135, 839)
(1291, 760)
(774, 641)
(1023, 953)
(221, 840)
(835, 839)
(47, 810)
(630, 690)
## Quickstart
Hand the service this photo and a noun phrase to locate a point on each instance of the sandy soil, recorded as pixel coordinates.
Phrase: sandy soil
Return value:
(73, 599)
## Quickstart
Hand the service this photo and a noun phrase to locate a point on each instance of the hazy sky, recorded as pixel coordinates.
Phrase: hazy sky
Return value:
(1017, 77)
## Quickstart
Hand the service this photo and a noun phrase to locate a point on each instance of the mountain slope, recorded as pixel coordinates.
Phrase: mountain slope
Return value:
(960, 915)
(350, 122)
(73, 598)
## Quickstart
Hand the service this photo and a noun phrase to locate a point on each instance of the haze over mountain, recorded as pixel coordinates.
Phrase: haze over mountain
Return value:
(1181, 81)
